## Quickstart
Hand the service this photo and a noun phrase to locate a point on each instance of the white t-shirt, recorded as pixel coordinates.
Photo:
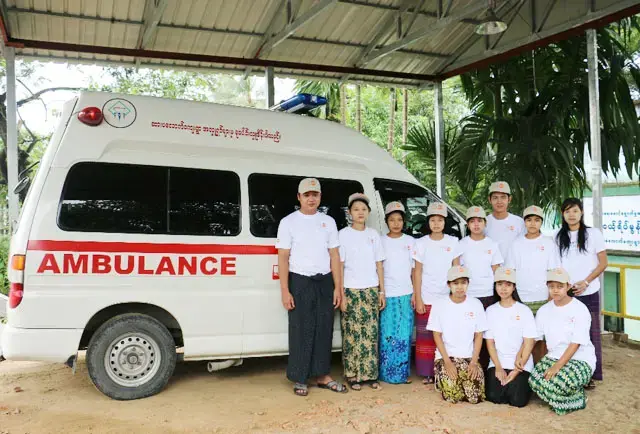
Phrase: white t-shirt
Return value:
(398, 265)
(360, 250)
(309, 237)
(562, 326)
(508, 327)
(436, 258)
(531, 260)
(479, 256)
(505, 231)
(580, 264)
(458, 323)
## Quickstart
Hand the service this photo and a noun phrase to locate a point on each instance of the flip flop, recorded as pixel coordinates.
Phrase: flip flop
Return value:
(300, 389)
(427, 380)
(375, 385)
(334, 386)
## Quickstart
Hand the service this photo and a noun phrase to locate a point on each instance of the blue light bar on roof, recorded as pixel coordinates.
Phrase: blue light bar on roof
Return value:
(301, 103)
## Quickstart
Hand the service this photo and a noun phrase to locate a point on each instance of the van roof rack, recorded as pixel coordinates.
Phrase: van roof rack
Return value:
(301, 103)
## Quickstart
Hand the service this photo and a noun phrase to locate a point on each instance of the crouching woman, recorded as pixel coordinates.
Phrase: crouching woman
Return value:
(564, 322)
(457, 323)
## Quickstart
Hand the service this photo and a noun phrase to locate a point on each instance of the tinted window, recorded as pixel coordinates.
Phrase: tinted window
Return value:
(416, 200)
(127, 198)
(272, 197)
(204, 202)
(101, 197)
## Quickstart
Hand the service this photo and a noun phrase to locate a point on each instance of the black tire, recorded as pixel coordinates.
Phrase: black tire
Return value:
(131, 327)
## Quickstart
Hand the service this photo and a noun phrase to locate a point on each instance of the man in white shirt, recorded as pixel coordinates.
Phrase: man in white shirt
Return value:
(309, 271)
(502, 226)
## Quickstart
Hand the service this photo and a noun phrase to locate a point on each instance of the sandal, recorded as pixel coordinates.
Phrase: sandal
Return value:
(355, 385)
(427, 380)
(590, 385)
(300, 389)
(334, 386)
(375, 385)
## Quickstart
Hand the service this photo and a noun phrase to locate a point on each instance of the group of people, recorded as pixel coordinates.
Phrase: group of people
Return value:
(498, 315)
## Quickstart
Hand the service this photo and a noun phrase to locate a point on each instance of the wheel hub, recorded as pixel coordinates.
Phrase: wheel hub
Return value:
(132, 359)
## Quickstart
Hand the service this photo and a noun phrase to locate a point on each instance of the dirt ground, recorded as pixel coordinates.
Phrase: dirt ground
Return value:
(255, 397)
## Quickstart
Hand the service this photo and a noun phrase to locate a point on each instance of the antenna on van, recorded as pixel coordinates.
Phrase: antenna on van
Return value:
(300, 104)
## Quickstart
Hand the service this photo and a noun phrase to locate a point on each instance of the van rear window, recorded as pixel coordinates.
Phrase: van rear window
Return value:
(273, 197)
(127, 198)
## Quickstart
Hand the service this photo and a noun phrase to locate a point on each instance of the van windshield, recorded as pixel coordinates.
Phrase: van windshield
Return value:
(415, 199)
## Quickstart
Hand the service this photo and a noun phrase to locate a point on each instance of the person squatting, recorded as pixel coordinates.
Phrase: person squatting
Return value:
(502, 314)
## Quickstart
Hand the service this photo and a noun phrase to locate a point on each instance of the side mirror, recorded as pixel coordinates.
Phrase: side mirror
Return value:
(22, 184)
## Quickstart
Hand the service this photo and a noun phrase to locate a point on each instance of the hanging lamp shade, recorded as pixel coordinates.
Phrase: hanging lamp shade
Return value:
(491, 25)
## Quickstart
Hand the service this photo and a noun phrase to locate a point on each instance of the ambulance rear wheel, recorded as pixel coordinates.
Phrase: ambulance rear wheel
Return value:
(131, 356)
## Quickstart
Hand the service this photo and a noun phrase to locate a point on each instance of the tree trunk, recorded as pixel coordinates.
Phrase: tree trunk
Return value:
(405, 123)
(343, 104)
(392, 120)
(358, 109)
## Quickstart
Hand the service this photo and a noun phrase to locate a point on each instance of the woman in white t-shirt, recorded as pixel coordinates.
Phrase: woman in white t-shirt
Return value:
(363, 297)
(559, 379)
(481, 255)
(396, 320)
(435, 253)
(457, 323)
(583, 254)
(510, 338)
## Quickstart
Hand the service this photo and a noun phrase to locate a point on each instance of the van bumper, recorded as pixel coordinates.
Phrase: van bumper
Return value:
(47, 345)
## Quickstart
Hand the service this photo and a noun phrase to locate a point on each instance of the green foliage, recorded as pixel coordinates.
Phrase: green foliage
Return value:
(4, 264)
(223, 89)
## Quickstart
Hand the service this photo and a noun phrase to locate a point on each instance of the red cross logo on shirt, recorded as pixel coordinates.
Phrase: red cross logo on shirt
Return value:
(489, 251)
(324, 225)
(542, 248)
(512, 228)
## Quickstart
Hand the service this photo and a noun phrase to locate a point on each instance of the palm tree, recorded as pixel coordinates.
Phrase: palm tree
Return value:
(530, 120)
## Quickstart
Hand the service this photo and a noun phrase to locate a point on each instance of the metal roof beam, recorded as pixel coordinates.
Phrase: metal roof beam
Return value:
(269, 31)
(215, 69)
(419, 34)
(291, 28)
(387, 25)
(206, 58)
(381, 6)
(474, 37)
(153, 11)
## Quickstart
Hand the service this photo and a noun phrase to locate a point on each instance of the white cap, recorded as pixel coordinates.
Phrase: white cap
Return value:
(437, 208)
(558, 275)
(500, 187)
(309, 184)
(506, 274)
(456, 272)
(475, 211)
(393, 207)
(358, 196)
(533, 210)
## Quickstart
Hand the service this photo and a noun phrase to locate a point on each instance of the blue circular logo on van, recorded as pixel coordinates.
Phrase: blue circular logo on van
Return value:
(119, 113)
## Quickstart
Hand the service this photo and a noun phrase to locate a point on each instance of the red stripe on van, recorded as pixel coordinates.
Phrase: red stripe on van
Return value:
(118, 247)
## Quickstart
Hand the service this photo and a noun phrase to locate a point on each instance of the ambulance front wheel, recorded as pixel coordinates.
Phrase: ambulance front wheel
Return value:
(131, 356)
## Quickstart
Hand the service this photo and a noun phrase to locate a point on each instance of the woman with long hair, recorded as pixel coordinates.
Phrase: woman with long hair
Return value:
(583, 255)
(510, 338)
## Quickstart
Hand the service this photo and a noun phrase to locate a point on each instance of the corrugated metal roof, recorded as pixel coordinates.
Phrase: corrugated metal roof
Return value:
(397, 42)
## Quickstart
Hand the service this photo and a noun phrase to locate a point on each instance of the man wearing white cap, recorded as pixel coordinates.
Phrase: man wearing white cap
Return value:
(309, 269)
(502, 226)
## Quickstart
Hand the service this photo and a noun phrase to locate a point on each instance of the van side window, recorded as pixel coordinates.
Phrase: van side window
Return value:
(416, 200)
(273, 197)
(100, 197)
(204, 202)
(128, 198)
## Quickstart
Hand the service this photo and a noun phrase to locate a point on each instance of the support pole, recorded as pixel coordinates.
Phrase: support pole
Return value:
(12, 137)
(405, 123)
(594, 134)
(439, 132)
(358, 108)
(271, 94)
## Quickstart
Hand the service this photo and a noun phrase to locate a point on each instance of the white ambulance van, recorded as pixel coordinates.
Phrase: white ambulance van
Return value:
(151, 223)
